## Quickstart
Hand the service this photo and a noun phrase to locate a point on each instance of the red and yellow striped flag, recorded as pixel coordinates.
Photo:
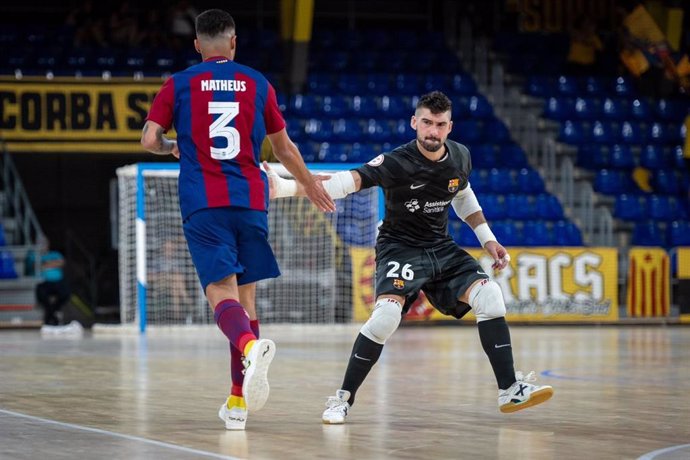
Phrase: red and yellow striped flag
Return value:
(649, 282)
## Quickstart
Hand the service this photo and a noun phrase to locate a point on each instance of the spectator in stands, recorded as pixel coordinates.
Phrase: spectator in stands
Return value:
(53, 292)
(422, 180)
(585, 45)
(123, 27)
(646, 52)
(182, 19)
(87, 25)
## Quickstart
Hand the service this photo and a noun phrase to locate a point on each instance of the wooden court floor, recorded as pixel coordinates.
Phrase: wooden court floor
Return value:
(620, 393)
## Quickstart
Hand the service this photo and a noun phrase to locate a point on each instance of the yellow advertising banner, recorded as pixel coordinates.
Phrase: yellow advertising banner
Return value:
(540, 284)
(75, 115)
(649, 282)
(683, 263)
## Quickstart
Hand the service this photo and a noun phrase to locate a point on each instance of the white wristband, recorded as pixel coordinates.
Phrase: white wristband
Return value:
(484, 234)
(340, 185)
(282, 187)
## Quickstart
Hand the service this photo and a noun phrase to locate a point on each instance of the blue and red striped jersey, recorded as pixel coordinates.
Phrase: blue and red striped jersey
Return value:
(222, 112)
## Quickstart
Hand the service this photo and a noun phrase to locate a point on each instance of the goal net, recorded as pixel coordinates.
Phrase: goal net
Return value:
(158, 282)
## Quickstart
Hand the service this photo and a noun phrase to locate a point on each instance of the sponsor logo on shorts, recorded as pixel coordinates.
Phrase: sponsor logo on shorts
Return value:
(453, 184)
(398, 284)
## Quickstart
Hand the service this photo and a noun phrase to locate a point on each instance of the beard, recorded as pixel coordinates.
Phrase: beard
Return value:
(431, 144)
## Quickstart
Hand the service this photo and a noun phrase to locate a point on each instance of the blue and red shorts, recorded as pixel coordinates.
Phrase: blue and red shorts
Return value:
(228, 240)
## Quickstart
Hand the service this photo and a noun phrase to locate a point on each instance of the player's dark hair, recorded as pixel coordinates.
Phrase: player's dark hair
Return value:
(212, 23)
(436, 102)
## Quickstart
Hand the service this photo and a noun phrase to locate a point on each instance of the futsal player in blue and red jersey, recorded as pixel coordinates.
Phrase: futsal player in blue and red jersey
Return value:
(222, 111)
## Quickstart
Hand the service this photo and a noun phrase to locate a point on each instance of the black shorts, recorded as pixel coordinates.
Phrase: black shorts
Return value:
(444, 272)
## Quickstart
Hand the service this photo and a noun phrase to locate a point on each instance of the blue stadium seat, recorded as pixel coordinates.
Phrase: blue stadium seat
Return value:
(540, 86)
(648, 234)
(395, 61)
(501, 181)
(632, 133)
(305, 105)
(630, 207)
(3, 240)
(548, 207)
(7, 270)
(467, 237)
(347, 130)
(469, 131)
(480, 107)
(654, 157)
(678, 157)
(402, 131)
(396, 107)
(497, 130)
(537, 233)
(640, 110)
(309, 151)
(479, 179)
(529, 181)
(434, 82)
(337, 61)
(507, 233)
(377, 84)
(295, 129)
(511, 155)
(603, 133)
(463, 84)
(493, 206)
(362, 152)
(666, 182)
(671, 110)
(351, 84)
(364, 106)
(368, 61)
(595, 86)
(406, 84)
(483, 156)
(615, 109)
(621, 157)
(378, 130)
(656, 134)
(663, 208)
(455, 230)
(624, 87)
(593, 156)
(335, 106)
(566, 234)
(520, 207)
(679, 233)
(572, 132)
(559, 108)
(611, 182)
(461, 108)
(333, 153)
(587, 108)
(568, 85)
(320, 83)
(318, 130)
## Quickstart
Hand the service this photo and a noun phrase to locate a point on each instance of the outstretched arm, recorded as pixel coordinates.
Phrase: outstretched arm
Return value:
(287, 153)
(338, 185)
(467, 208)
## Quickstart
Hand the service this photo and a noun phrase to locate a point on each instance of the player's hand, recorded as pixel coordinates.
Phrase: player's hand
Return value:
(175, 151)
(318, 195)
(498, 253)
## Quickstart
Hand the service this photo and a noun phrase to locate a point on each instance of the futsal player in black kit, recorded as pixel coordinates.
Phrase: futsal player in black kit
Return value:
(421, 180)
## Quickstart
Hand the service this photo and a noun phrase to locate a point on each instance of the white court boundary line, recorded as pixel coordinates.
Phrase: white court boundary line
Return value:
(654, 453)
(118, 435)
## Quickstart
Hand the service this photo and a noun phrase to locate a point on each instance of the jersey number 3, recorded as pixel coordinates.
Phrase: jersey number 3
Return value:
(220, 128)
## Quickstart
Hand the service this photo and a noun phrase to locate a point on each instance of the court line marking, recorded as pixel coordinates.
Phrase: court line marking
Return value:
(653, 454)
(118, 435)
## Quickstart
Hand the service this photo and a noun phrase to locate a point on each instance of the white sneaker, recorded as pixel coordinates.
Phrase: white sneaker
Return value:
(235, 418)
(522, 395)
(337, 408)
(255, 387)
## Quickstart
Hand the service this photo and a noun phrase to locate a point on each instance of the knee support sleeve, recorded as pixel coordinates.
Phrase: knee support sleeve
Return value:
(384, 321)
(486, 299)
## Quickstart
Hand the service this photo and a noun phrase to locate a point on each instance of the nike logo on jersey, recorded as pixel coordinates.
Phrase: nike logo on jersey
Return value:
(359, 357)
(416, 186)
(501, 346)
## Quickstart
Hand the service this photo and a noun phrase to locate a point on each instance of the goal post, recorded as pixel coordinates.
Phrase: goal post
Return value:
(158, 282)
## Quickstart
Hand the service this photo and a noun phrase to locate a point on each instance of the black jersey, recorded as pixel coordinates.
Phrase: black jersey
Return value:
(418, 191)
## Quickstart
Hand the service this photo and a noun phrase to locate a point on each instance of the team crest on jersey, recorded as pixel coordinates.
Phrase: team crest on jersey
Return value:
(453, 185)
(378, 161)
(398, 284)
